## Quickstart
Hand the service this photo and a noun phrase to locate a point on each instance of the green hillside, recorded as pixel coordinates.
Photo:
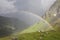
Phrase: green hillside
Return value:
(34, 29)
(40, 26)
(49, 35)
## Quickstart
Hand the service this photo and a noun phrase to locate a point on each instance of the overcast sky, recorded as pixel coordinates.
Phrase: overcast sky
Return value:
(36, 6)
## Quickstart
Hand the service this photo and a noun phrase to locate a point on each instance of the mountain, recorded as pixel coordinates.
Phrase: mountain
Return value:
(25, 16)
(41, 30)
(20, 20)
(42, 25)
(10, 25)
(53, 14)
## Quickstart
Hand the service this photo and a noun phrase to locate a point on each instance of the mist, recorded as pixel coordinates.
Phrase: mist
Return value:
(38, 7)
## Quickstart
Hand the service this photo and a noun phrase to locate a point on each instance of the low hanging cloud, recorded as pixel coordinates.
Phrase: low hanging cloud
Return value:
(36, 6)
(7, 6)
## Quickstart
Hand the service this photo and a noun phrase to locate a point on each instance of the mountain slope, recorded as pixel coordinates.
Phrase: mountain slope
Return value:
(49, 35)
(53, 15)
(9, 25)
(42, 25)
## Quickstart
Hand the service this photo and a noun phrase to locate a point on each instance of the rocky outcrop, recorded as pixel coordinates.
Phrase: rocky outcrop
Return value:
(53, 14)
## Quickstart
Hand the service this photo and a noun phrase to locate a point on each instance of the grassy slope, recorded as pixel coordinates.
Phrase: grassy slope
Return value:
(41, 26)
(37, 27)
(29, 36)
(50, 35)
(33, 34)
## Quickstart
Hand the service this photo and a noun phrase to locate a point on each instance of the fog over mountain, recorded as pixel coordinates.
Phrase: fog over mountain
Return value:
(10, 25)
(15, 22)
(27, 17)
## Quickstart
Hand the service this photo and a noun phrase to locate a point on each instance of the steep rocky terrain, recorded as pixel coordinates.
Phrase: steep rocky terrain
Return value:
(53, 14)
